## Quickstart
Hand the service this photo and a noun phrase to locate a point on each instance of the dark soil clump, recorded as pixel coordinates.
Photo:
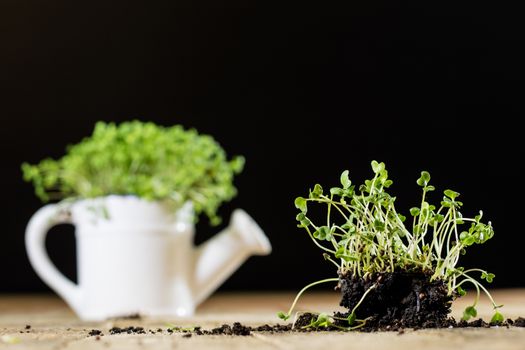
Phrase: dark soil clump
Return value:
(398, 300)
(95, 332)
(239, 329)
(479, 323)
(277, 328)
(236, 329)
(303, 320)
(519, 322)
(127, 330)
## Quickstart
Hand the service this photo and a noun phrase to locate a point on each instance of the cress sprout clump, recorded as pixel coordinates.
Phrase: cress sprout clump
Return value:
(365, 235)
(142, 159)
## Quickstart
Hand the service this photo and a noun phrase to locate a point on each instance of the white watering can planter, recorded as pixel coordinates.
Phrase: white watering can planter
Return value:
(136, 256)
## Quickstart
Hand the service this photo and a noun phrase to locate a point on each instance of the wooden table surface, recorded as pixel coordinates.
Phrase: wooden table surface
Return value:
(54, 326)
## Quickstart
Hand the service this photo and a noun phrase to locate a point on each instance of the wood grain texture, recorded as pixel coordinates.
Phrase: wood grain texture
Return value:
(54, 326)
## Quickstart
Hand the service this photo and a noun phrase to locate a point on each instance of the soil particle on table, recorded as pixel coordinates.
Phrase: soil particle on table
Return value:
(277, 328)
(303, 321)
(95, 332)
(127, 330)
(28, 326)
(225, 329)
(479, 323)
(238, 329)
(519, 322)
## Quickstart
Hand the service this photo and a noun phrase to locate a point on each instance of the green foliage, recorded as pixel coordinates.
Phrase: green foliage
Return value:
(323, 320)
(351, 318)
(469, 312)
(364, 234)
(142, 159)
(497, 318)
(283, 316)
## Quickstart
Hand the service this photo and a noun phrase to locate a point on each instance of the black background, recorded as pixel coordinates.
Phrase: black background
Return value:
(303, 92)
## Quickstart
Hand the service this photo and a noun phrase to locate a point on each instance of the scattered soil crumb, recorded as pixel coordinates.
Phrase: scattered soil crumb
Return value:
(95, 332)
(127, 330)
(479, 323)
(519, 322)
(28, 326)
(238, 329)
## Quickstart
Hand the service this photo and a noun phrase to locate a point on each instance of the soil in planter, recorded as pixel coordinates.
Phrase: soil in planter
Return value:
(399, 300)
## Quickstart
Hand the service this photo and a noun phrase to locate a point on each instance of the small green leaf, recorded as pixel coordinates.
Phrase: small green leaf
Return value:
(489, 277)
(283, 316)
(336, 191)
(379, 225)
(497, 318)
(351, 319)
(470, 311)
(377, 167)
(305, 222)
(323, 233)
(345, 180)
(300, 203)
(423, 179)
(414, 211)
(322, 321)
(461, 291)
(317, 192)
(451, 194)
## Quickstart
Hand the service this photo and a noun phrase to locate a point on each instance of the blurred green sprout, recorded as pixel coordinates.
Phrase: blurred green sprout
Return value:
(142, 159)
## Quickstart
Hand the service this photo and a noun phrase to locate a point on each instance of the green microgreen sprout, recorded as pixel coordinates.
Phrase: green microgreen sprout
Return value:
(365, 235)
(152, 162)
(323, 320)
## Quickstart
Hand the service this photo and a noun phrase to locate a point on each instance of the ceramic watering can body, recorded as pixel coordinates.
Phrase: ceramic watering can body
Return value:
(136, 256)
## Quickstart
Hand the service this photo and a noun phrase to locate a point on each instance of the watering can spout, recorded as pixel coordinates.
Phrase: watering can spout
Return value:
(219, 257)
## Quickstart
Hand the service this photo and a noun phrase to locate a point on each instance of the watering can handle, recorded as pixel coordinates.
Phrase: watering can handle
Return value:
(36, 231)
